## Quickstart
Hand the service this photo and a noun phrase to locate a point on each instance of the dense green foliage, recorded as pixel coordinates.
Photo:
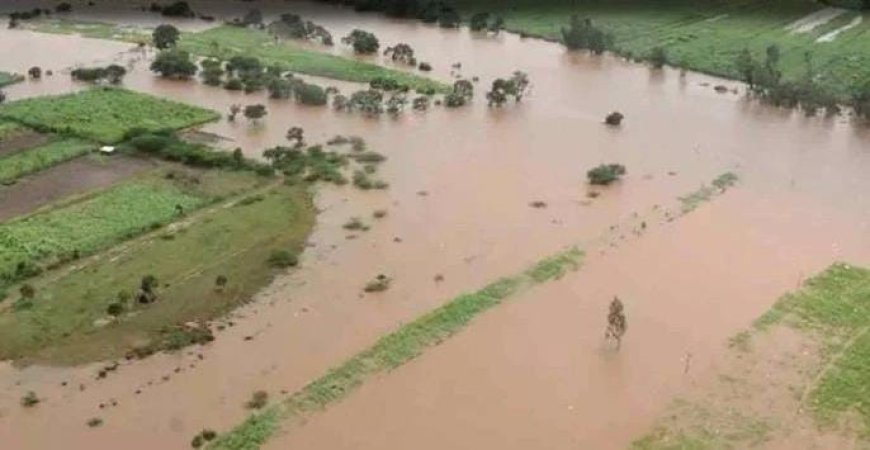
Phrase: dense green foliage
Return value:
(605, 174)
(363, 42)
(104, 114)
(112, 73)
(33, 160)
(174, 63)
(165, 36)
(165, 145)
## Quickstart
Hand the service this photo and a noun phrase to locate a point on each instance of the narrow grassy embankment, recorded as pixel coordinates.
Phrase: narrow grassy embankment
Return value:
(7, 78)
(62, 326)
(705, 36)
(104, 114)
(95, 30)
(228, 41)
(97, 222)
(26, 162)
(394, 350)
(829, 386)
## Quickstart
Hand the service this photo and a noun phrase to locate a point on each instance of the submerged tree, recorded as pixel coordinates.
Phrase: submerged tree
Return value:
(235, 109)
(165, 36)
(402, 53)
(212, 71)
(462, 94)
(362, 42)
(296, 135)
(174, 63)
(255, 112)
(516, 87)
(616, 324)
(605, 174)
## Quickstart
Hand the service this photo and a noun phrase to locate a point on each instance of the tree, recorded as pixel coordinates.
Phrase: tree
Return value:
(605, 174)
(658, 57)
(2, 96)
(174, 63)
(115, 73)
(616, 324)
(35, 72)
(402, 53)
(479, 21)
(396, 103)
(177, 9)
(516, 87)
(462, 93)
(449, 18)
(310, 94)
(234, 111)
(746, 67)
(147, 290)
(583, 34)
(253, 17)
(496, 25)
(362, 42)
(280, 88)
(296, 135)
(165, 36)
(220, 282)
(212, 71)
(367, 101)
(255, 112)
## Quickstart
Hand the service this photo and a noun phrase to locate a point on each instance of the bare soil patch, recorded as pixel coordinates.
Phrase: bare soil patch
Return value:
(21, 140)
(68, 179)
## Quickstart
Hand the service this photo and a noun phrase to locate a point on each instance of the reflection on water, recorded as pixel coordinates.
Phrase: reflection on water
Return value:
(480, 169)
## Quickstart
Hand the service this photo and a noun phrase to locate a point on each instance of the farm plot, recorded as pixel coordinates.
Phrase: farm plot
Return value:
(39, 158)
(91, 313)
(93, 224)
(104, 114)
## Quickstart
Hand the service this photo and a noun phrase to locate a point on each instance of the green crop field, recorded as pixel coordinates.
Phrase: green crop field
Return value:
(104, 114)
(227, 41)
(230, 240)
(97, 222)
(39, 158)
(706, 35)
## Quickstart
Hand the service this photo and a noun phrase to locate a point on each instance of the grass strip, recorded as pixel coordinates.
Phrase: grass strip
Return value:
(394, 350)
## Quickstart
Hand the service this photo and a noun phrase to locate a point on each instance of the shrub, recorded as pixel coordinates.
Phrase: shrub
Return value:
(379, 284)
(94, 422)
(310, 94)
(658, 57)
(605, 174)
(174, 63)
(165, 36)
(614, 118)
(258, 400)
(282, 259)
(115, 309)
(29, 400)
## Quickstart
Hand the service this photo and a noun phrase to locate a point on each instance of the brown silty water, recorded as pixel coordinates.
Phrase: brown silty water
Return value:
(479, 169)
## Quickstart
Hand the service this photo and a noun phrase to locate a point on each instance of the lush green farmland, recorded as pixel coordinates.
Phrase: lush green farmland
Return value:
(706, 35)
(36, 159)
(228, 41)
(59, 323)
(95, 223)
(104, 114)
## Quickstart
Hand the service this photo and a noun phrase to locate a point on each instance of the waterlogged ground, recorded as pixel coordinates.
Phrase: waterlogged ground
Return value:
(530, 373)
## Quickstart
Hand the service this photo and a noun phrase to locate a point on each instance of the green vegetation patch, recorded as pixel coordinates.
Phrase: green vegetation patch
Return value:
(96, 30)
(207, 265)
(92, 224)
(703, 194)
(835, 304)
(104, 114)
(228, 41)
(39, 158)
(392, 351)
(7, 78)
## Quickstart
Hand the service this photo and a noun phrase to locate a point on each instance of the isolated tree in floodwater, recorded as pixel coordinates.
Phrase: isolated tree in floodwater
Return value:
(174, 63)
(362, 42)
(235, 109)
(165, 36)
(35, 72)
(616, 324)
(296, 136)
(255, 112)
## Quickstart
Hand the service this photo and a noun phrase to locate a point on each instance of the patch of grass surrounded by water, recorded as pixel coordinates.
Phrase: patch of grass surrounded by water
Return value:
(7, 78)
(227, 41)
(104, 114)
(393, 350)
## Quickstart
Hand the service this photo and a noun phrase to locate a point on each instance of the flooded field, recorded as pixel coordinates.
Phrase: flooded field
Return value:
(532, 373)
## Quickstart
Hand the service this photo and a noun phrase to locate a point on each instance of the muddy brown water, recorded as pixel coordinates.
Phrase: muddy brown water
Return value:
(512, 376)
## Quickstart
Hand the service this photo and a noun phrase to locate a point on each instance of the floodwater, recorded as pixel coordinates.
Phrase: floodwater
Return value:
(532, 371)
